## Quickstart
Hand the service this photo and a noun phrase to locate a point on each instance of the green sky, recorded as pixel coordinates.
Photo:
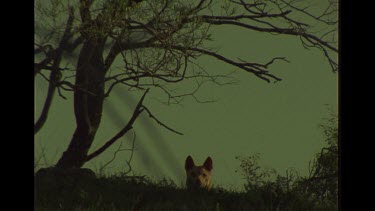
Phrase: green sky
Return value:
(278, 120)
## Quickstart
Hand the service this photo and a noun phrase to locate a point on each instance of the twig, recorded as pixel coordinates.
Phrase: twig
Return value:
(159, 122)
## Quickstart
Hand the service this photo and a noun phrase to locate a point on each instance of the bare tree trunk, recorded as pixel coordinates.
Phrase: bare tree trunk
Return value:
(88, 102)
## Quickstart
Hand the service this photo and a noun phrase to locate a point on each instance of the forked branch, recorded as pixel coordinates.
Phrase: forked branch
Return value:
(137, 111)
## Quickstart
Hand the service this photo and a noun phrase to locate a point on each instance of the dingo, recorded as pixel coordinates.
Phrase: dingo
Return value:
(198, 176)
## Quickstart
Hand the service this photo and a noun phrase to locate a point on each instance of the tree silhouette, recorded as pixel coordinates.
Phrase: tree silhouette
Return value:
(322, 181)
(156, 43)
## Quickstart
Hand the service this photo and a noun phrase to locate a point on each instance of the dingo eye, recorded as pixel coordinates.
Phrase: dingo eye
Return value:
(204, 174)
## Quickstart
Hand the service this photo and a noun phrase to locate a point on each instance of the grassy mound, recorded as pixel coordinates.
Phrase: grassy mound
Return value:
(138, 193)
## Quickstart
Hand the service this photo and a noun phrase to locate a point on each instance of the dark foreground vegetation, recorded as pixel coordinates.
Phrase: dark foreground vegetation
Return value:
(137, 193)
(265, 189)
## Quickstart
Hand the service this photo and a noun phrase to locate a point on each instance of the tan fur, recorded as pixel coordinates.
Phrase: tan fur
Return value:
(198, 176)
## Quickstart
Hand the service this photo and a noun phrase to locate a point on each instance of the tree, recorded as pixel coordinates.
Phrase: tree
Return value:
(157, 43)
(322, 181)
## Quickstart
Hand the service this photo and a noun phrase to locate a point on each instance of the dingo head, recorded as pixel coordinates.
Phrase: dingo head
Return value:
(198, 176)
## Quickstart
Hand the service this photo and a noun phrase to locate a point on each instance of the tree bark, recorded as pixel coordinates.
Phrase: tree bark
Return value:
(88, 102)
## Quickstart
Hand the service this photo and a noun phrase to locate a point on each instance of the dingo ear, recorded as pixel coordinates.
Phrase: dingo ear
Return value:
(189, 163)
(208, 164)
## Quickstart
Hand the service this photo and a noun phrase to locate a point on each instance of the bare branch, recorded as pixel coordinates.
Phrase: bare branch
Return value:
(119, 149)
(158, 121)
(286, 31)
(249, 67)
(329, 10)
(55, 75)
(131, 155)
(137, 111)
(72, 87)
